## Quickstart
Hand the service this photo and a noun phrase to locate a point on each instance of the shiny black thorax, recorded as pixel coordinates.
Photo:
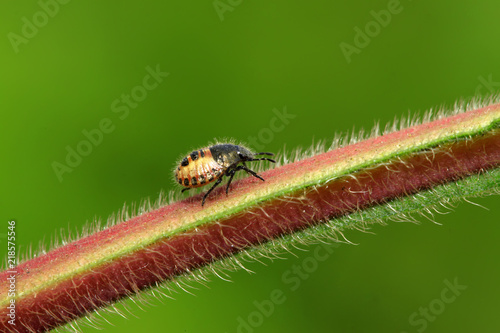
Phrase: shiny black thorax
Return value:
(229, 155)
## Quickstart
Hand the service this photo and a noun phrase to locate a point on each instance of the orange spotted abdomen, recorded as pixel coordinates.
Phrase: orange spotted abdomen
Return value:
(198, 169)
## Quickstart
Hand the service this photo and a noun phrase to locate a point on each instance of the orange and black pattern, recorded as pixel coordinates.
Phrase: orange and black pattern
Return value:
(198, 168)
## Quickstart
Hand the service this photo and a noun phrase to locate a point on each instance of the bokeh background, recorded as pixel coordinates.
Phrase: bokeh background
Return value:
(230, 64)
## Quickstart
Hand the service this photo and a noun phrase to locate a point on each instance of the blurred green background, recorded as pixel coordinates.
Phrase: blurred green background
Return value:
(230, 64)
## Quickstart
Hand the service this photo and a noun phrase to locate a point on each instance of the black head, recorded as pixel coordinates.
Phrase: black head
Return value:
(228, 154)
(246, 155)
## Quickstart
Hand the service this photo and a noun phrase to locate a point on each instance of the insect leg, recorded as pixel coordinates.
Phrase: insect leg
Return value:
(231, 175)
(211, 189)
(253, 173)
(262, 159)
(270, 154)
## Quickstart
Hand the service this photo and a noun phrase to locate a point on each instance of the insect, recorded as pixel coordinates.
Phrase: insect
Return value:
(211, 164)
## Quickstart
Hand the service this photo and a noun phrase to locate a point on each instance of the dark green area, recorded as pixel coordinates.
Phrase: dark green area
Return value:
(225, 78)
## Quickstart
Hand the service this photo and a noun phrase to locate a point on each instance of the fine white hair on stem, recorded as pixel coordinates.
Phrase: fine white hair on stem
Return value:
(67, 235)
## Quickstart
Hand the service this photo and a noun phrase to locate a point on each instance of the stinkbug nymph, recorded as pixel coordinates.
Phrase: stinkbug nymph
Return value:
(210, 164)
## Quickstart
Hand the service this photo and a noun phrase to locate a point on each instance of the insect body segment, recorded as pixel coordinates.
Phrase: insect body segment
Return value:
(210, 164)
(197, 169)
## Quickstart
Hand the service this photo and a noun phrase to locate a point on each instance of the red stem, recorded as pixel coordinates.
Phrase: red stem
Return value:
(193, 249)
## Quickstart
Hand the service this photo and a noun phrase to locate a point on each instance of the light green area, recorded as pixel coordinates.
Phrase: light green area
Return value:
(225, 79)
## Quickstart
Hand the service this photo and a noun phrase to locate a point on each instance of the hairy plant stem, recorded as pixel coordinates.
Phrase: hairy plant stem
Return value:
(456, 156)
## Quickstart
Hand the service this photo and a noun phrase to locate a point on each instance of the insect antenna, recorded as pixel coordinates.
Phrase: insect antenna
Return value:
(263, 159)
(270, 154)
